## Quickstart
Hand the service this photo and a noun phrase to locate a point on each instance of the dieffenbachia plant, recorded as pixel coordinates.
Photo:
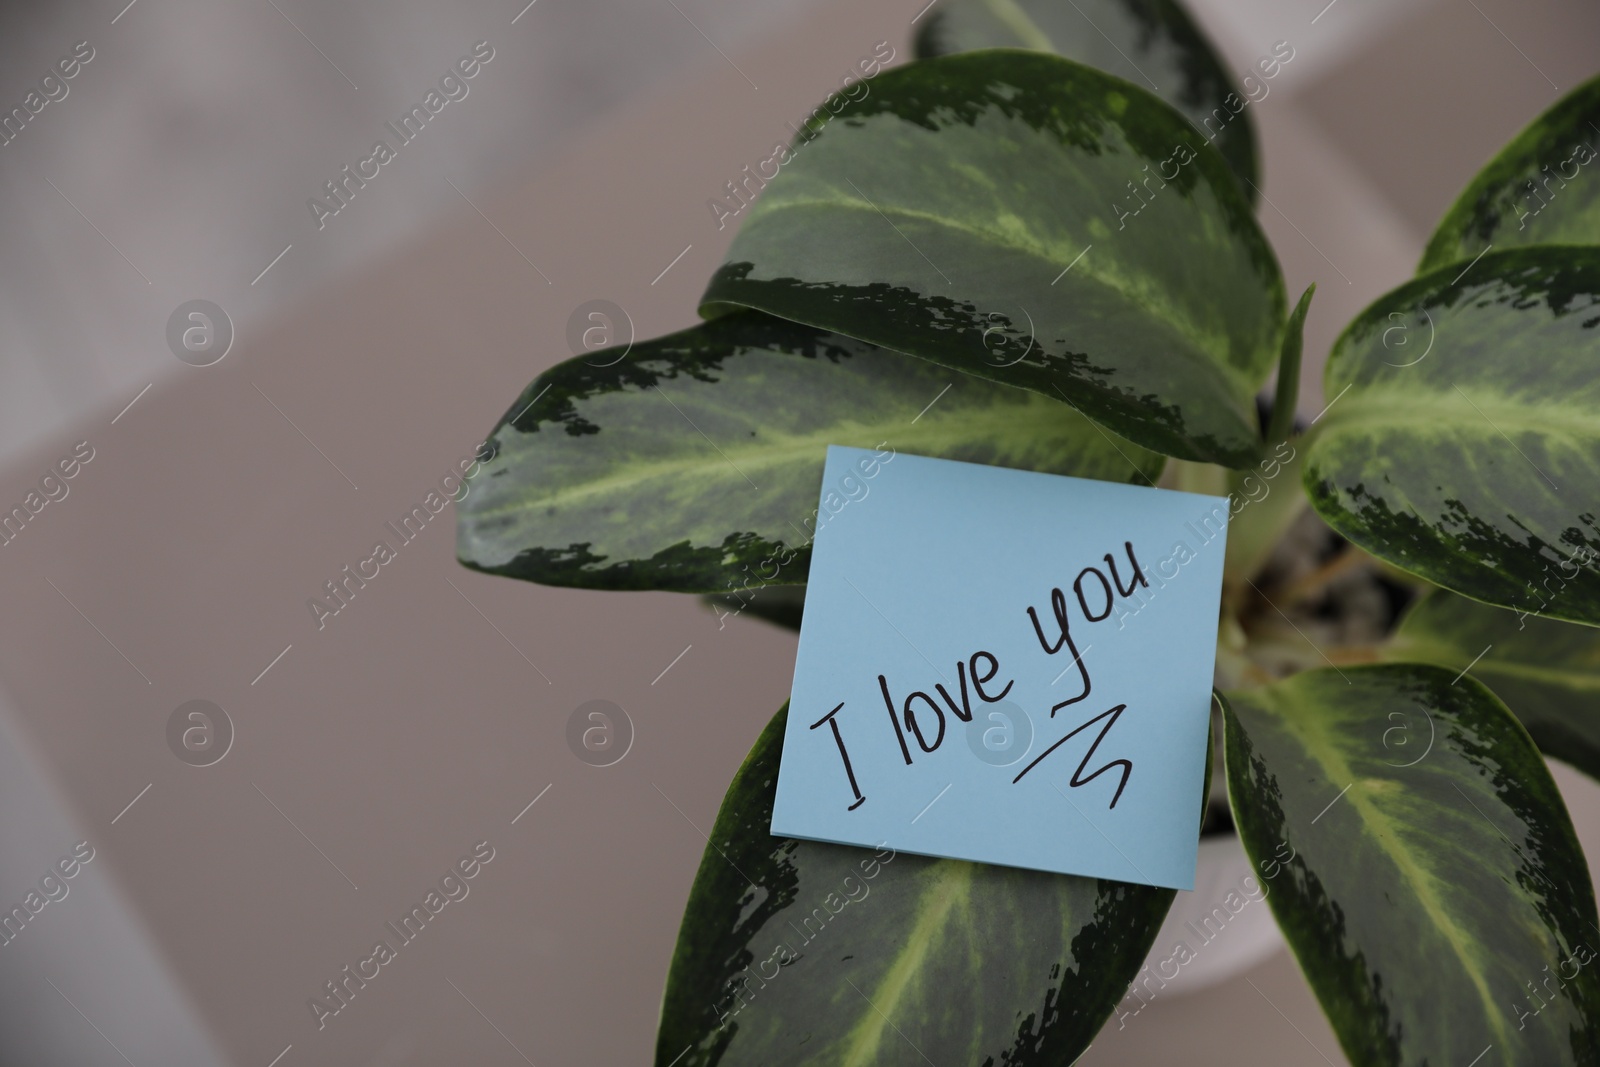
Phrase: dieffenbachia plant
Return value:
(1005, 254)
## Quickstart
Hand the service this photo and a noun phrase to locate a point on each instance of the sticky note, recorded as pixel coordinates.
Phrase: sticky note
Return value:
(1005, 666)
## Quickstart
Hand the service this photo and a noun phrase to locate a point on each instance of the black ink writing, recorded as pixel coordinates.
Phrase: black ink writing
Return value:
(905, 718)
(1078, 777)
(919, 717)
(844, 754)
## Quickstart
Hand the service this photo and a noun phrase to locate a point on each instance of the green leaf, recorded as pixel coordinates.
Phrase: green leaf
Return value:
(1547, 672)
(977, 210)
(799, 952)
(1428, 895)
(781, 605)
(1462, 441)
(1287, 393)
(1540, 190)
(694, 462)
(1148, 42)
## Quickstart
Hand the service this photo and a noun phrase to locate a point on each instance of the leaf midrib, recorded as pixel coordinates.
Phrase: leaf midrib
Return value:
(1365, 407)
(1184, 331)
(951, 881)
(1011, 15)
(946, 427)
(1322, 747)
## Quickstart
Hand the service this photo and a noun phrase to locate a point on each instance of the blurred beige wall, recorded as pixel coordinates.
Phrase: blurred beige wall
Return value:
(370, 755)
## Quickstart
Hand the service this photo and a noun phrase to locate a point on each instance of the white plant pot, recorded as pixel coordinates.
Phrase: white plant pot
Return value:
(1219, 930)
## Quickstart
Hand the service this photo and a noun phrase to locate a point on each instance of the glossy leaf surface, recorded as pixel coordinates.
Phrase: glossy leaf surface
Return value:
(694, 462)
(781, 605)
(1547, 672)
(1463, 439)
(1035, 222)
(1152, 43)
(799, 952)
(1542, 189)
(1427, 890)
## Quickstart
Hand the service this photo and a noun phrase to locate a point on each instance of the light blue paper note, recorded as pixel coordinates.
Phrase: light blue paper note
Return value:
(921, 715)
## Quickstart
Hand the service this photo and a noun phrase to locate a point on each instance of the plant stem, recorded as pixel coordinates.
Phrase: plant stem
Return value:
(1346, 561)
(1354, 655)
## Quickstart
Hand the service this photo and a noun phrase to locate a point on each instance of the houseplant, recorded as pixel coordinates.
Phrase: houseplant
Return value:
(1004, 254)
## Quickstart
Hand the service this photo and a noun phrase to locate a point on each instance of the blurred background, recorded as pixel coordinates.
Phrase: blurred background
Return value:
(370, 351)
